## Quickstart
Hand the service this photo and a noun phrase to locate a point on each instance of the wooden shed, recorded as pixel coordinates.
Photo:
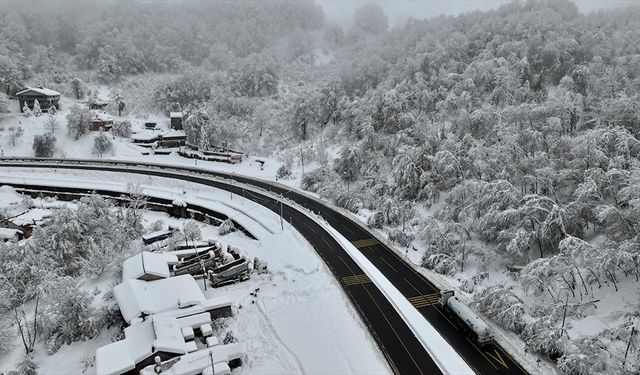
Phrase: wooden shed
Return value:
(101, 121)
(46, 98)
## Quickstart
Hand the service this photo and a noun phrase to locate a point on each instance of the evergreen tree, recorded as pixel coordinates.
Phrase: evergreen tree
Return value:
(37, 111)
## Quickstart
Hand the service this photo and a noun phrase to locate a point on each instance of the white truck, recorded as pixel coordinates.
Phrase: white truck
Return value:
(468, 320)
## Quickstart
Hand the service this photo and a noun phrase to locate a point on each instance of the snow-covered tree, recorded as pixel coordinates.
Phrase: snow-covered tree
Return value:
(68, 315)
(347, 166)
(257, 76)
(136, 202)
(122, 129)
(37, 111)
(501, 305)
(102, 144)
(191, 232)
(44, 145)
(193, 126)
(370, 18)
(119, 101)
(15, 134)
(51, 124)
(52, 110)
(26, 111)
(78, 122)
(78, 88)
(4, 104)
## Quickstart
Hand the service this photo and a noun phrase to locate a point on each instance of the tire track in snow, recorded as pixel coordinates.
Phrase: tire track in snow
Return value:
(274, 334)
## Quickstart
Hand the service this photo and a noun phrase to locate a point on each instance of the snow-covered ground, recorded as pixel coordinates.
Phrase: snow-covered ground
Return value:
(285, 329)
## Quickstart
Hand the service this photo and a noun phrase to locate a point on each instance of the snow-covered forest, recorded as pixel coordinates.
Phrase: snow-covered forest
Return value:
(499, 149)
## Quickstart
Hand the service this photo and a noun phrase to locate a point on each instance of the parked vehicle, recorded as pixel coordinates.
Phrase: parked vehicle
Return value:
(230, 273)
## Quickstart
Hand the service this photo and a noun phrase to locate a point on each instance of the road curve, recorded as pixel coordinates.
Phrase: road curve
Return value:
(403, 351)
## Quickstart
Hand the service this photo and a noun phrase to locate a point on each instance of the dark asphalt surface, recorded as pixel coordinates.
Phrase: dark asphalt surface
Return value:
(400, 347)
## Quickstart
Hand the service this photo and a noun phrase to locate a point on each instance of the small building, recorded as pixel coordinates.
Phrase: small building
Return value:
(98, 104)
(174, 296)
(28, 220)
(10, 235)
(190, 338)
(46, 98)
(173, 138)
(148, 266)
(176, 120)
(101, 121)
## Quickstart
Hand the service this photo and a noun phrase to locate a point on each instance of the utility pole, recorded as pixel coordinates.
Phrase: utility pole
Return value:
(564, 316)
(204, 272)
(281, 223)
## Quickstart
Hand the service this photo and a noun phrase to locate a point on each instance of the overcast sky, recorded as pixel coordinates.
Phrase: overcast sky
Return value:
(400, 10)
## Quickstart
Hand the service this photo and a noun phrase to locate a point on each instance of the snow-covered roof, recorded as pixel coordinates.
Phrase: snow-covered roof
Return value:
(174, 133)
(39, 90)
(9, 234)
(200, 361)
(173, 296)
(28, 218)
(145, 135)
(156, 334)
(175, 115)
(152, 235)
(147, 263)
(102, 117)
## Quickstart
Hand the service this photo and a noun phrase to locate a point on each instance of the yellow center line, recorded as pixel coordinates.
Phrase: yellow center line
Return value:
(392, 267)
(365, 243)
(393, 329)
(481, 352)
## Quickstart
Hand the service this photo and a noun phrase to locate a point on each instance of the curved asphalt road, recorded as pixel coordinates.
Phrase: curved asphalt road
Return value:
(402, 350)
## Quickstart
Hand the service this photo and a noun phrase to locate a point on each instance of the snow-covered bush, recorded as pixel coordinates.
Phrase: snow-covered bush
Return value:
(501, 305)
(441, 263)
(44, 145)
(27, 366)
(283, 172)
(349, 201)
(543, 337)
(322, 181)
(227, 226)
(376, 220)
(401, 238)
(585, 356)
(122, 129)
(102, 144)
(157, 225)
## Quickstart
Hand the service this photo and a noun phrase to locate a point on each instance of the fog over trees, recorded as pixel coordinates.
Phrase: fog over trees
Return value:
(500, 139)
